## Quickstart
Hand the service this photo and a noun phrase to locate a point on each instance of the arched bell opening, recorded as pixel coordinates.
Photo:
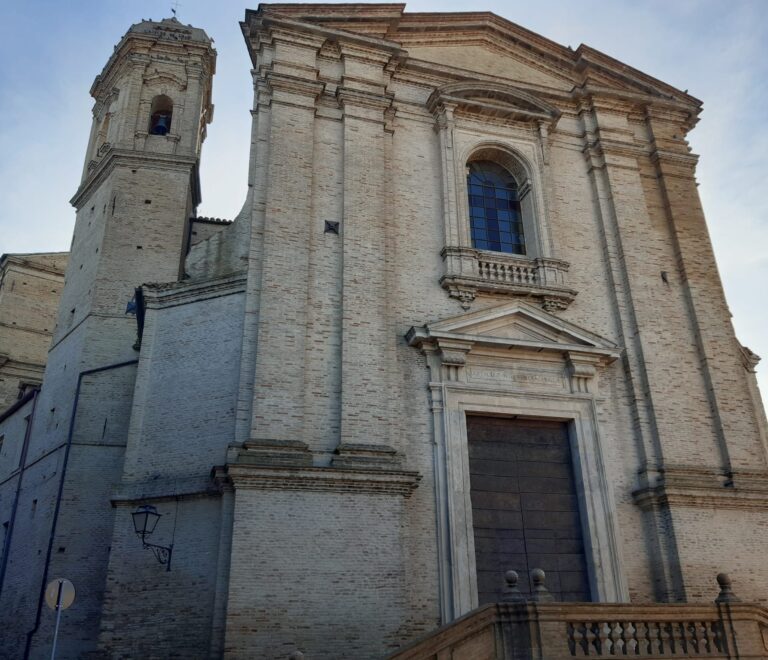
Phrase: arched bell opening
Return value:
(161, 115)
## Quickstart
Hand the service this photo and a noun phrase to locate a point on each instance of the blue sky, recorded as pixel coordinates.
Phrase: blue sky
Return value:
(50, 52)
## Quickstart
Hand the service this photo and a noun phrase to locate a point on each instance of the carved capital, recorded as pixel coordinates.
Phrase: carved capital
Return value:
(582, 368)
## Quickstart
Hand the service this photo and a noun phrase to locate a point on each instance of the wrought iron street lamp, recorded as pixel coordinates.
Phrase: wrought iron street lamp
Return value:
(144, 522)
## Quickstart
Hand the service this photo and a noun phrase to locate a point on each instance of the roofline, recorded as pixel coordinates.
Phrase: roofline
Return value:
(31, 394)
(583, 57)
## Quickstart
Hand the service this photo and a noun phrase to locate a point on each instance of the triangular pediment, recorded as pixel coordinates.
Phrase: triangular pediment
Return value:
(514, 324)
(465, 44)
(495, 60)
(494, 99)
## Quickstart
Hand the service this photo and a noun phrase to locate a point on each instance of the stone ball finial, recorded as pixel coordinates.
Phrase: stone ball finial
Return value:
(511, 592)
(726, 594)
(540, 592)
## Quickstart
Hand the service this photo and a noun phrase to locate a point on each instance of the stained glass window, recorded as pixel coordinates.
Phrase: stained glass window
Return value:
(494, 209)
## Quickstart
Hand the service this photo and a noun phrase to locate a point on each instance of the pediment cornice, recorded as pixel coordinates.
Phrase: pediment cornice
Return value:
(514, 325)
(493, 99)
(387, 28)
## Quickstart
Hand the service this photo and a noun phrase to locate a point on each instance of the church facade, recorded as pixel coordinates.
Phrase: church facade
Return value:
(468, 321)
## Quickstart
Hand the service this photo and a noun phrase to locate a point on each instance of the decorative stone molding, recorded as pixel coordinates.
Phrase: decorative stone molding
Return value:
(323, 479)
(469, 271)
(352, 455)
(749, 359)
(516, 325)
(288, 465)
(515, 360)
(702, 487)
(265, 452)
(493, 101)
(583, 370)
(180, 293)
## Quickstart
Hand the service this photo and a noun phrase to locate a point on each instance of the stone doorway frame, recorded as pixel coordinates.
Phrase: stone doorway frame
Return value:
(563, 390)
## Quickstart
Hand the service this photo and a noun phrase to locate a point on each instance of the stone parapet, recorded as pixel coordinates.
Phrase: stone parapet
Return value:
(556, 631)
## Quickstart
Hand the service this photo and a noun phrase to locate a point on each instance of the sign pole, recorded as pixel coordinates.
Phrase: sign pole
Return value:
(58, 619)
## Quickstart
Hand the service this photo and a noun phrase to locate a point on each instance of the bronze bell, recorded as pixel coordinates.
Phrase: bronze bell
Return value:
(161, 125)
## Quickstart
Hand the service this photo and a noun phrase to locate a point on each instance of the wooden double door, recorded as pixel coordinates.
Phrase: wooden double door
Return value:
(524, 506)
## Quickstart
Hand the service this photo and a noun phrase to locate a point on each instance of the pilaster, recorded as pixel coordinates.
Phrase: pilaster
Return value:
(736, 418)
(278, 392)
(367, 342)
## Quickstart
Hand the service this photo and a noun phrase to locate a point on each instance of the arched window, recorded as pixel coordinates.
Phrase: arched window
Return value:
(160, 115)
(495, 215)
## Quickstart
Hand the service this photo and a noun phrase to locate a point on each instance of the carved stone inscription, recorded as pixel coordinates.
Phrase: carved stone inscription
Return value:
(524, 377)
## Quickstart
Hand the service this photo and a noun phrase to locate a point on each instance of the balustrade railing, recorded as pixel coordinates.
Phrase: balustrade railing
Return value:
(646, 639)
(528, 627)
(469, 271)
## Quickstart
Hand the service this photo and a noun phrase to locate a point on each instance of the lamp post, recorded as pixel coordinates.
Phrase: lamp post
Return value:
(144, 522)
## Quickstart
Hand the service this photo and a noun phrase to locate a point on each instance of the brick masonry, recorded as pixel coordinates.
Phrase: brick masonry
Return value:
(306, 458)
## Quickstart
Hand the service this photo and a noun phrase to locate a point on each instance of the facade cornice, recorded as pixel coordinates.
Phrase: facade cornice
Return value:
(329, 479)
(424, 29)
(259, 22)
(134, 43)
(117, 157)
(158, 296)
(701, 498)
(22, 263)
(701, 486)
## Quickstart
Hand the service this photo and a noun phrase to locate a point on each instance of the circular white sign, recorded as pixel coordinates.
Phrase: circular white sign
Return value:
(61, 591)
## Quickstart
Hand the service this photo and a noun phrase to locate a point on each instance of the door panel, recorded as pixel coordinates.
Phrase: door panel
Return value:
(524, 506)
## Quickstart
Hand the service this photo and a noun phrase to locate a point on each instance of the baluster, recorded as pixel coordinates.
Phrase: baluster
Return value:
(592, 640)
(617, 642)
(604, 634)
(717, 635)
(679, 646)
(665, 638)
(704, 645)
(580, 638)
(641, 637)
(657, 638)
(631, 645)
(693, 636)
(571, 638)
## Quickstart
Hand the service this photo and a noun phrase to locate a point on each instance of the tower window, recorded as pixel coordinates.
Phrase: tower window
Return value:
(160, 115)
(494, 208)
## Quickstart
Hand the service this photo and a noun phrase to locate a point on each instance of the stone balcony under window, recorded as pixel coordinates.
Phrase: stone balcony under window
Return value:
(469, 271)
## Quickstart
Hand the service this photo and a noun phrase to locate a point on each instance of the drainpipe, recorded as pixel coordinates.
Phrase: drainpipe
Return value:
(23, 464)
(68, 445)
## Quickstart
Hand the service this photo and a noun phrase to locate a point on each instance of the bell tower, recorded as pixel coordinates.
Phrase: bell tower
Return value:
(140, 181)
(139, 188)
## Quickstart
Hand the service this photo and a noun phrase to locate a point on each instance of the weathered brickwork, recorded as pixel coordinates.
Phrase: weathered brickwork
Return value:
(30, 286)
(292, 394)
